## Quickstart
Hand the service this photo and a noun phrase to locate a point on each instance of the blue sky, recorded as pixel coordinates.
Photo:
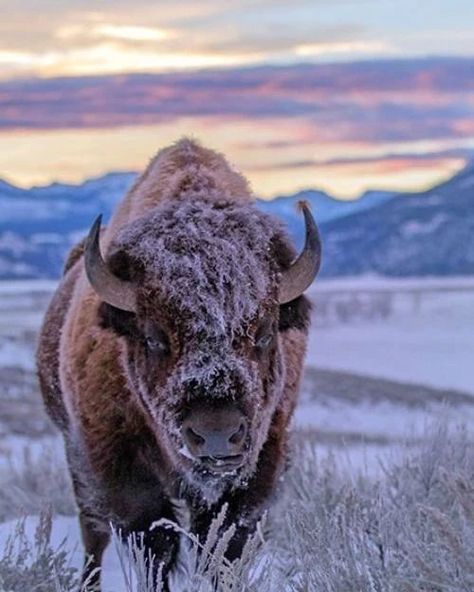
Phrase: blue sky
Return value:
(335, 94)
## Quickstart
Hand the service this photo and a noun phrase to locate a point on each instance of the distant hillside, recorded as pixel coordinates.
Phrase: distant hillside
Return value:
(415, 234)
(39, 225)
(392, 234)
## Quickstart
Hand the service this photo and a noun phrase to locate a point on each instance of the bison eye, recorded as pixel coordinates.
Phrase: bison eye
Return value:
(264, 336)
(264, 341)
(158, 344)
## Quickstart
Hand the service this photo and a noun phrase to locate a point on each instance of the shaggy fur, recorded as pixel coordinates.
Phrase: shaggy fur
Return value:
(206, 265)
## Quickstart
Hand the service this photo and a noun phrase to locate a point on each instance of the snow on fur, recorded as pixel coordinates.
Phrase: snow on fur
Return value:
(210, 261)
(210, 258)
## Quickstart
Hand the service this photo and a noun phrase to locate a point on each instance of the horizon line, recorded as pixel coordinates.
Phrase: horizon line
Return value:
(468, 164)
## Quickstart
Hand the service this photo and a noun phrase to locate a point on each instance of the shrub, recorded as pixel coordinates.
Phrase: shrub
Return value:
(411, 530)
(34, 566)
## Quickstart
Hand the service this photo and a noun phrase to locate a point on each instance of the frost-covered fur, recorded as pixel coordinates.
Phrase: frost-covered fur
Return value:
(183, 168)
(211, 259)
(206, 265)
(209, 282)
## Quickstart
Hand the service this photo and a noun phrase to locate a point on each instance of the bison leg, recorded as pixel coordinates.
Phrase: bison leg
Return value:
(203, 520)
(95, 541)
(161, 543)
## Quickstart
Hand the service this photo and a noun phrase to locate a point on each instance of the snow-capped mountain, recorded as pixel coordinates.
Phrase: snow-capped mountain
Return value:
(404, 234)
(324, 207)
(39, 225)
(413, 234)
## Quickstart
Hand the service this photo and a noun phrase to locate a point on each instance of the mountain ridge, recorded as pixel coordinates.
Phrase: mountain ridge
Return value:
(379, 232)
(430, 232)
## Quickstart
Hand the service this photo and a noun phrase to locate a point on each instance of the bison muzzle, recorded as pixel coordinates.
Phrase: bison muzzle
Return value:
(171, 354)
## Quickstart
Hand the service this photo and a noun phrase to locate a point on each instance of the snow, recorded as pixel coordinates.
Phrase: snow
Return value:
(371, 282)
(383, 420)
(26, 286)
(13, 450)
(67, 529)
(14, 354)
(415, 227)
(428, 338)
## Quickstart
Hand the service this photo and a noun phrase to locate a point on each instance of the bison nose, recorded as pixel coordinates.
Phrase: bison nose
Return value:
(215, 433)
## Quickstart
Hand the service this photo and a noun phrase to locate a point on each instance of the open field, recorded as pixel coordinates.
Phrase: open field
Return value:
(407, 330)
(382, 355)
(385, 358)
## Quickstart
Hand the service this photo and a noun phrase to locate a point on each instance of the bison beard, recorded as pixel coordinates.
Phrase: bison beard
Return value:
(174, 376)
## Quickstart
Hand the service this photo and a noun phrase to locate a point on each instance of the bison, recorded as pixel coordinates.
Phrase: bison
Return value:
(172, 365)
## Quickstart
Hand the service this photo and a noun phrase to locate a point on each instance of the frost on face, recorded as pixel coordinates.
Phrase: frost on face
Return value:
(207, 272)
(209, 259)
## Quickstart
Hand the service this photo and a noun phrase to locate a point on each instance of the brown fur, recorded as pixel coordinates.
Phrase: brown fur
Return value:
(120, 474)
(175, 169)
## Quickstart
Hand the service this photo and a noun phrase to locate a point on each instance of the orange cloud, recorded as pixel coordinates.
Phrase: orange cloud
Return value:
(340, 126)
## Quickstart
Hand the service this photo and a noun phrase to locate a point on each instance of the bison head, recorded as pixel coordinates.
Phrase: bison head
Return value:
(200, 291)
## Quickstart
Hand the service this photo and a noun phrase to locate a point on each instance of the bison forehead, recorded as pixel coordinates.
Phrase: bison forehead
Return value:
(211, 261)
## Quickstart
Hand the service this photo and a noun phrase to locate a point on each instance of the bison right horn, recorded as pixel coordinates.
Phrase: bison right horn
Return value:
(295, 280)
(109, 287)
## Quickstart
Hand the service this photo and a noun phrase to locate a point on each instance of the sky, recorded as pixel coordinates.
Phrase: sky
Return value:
(343, 95)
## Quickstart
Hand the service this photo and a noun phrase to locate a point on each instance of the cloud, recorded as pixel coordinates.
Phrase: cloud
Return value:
(114, 56)
(345, 47)
(74, 37)
(345, 127)
(364, 102)
(111, 31)
(385, 160)
(91, 39)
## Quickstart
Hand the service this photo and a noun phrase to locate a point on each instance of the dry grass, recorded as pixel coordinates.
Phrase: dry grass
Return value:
(411, 530)
(39, 480)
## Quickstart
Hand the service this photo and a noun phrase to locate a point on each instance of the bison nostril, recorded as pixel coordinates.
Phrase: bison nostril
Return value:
(214, 433)
(194, 438)
(239, 435)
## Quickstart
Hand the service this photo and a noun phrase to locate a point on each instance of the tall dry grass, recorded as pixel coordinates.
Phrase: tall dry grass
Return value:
(410, 530)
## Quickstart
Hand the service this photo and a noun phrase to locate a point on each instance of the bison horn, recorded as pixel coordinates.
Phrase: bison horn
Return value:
(108, 286)
(304, 269)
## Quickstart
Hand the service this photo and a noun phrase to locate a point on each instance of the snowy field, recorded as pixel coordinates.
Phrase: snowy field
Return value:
(418, 331)
(385, 357)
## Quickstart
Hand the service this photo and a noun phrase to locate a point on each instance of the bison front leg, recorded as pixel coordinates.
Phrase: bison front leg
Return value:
(202, 522)
(158, 543)
(95, 541)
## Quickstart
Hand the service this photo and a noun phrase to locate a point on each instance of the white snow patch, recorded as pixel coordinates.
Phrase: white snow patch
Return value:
(427, 338)
(415, 227)
(67, 528)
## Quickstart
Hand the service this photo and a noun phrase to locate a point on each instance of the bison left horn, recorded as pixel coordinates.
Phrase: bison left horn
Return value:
(109, 287)
(295, 280)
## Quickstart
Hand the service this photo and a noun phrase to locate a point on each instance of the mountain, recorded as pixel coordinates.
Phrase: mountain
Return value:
(412, 234)
(431, 232)
(324, 207)
(39, 225)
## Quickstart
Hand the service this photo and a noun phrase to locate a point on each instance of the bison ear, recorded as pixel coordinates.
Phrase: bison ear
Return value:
(122, 322)
(295, 314)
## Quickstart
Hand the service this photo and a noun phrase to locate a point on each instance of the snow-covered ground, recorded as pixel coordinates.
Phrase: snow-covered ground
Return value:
(66, 535)
(427, 337)
(384, 357)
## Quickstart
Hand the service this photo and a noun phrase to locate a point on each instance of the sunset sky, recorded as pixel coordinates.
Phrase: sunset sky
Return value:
(342, 95)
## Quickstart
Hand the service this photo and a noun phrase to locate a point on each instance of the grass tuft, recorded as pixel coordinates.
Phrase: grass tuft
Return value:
(412, 529)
